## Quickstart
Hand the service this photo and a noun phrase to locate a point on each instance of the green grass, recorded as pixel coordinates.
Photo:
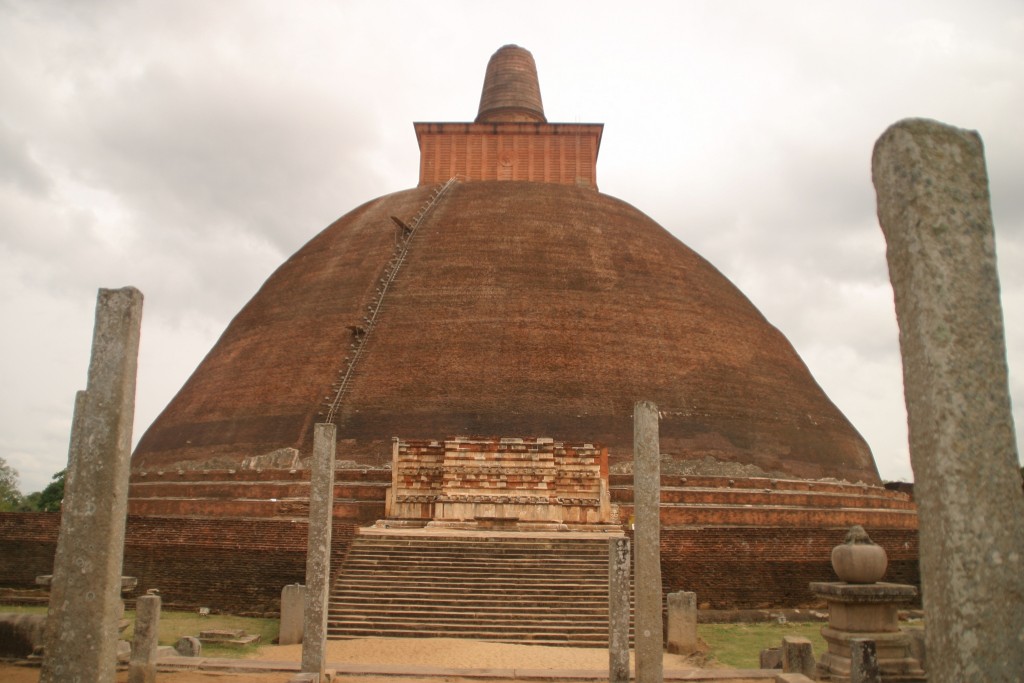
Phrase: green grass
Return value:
(740, 645)
(734, 645)
(174, 625)
(24, 609)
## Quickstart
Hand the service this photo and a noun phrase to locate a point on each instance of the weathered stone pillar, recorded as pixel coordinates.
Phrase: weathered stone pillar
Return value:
(293, 610)
(682, 623)
(864, 662)
(647, 535)
(142, 663)
(933, 206)
(318, 553)
(618, 610)
(798, 656)
(81, 624)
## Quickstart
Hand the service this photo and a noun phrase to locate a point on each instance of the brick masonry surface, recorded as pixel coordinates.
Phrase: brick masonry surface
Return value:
(535, 479)
(241, 565)
(759, 567)
(230, 565)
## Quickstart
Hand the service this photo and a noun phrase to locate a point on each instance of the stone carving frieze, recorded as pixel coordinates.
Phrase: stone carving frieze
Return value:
(499, 500)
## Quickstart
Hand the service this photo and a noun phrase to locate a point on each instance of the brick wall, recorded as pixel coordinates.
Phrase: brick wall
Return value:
(230, 565)
(759, 567)
(28, 541)
(742, 543)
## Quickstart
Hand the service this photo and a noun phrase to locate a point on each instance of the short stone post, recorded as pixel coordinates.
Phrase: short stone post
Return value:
(318, 553)
(647, 534)
(798, 656)
(864, 662)
(293, 609)
(618, 610)
(682, 623)
(142, 663)
(933, 206)
(81, 625)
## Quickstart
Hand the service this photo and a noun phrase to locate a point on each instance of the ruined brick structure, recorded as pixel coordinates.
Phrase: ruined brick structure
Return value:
(504, 296)
(526, 483)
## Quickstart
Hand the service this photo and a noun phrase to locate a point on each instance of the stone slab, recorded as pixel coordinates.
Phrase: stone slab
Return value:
(85, 604)
(648, 632)
(618, 610)
(798, 656)
(682, 622)
(142, 662)
(293, 608)
(879, 592)
(318, 550)
(935, 212)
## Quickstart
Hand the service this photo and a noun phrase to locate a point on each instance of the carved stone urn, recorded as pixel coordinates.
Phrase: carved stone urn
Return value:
(859, 559)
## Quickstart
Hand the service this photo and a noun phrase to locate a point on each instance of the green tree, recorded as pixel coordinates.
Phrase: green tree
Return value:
(50, 498)
(10, 497)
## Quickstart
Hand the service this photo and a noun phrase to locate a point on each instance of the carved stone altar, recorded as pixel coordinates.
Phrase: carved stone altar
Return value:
(862, 607)
(513, 483)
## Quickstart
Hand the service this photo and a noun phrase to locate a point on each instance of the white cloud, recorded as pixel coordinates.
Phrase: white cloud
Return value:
(187, 148)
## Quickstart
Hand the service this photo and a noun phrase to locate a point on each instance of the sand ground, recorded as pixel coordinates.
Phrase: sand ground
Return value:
(450, 653)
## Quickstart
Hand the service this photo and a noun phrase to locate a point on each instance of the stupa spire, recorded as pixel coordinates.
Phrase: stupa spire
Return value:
(511, 90)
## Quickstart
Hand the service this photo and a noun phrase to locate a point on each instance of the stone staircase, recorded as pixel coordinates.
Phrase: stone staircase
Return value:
(512, 588)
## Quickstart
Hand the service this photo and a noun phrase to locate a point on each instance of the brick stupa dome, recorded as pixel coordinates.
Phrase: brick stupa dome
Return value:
(522, 302)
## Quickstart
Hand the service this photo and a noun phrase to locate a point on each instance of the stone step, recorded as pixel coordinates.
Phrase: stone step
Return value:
(452, 559)
(429, 599)
(494, 592)
(453, 628)
(595, 550)
(523, 582)
(489, 636)
(475, 609)
(503, 589)
(538, 579)
(473, 621)
(382, 554)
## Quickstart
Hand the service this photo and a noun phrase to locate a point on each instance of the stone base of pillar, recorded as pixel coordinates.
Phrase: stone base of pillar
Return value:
(867, 611)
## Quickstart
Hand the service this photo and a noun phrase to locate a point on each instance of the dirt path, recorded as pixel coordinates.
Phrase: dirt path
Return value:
(413, 652)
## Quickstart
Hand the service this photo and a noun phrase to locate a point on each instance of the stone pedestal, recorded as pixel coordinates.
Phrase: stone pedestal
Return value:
(867, 611)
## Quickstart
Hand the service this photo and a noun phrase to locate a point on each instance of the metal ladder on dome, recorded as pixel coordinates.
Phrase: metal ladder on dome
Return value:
(374, 307)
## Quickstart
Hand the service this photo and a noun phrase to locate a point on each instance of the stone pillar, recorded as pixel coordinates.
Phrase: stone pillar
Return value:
(318, 553)
(933, 206)
(293, 609)
(864, 662)
(142, 663)
(798, 656)
(682, 623)
(618, 610)
(647, 535)
(81, 624)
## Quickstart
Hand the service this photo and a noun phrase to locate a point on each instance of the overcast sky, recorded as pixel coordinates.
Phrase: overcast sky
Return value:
(189, 147)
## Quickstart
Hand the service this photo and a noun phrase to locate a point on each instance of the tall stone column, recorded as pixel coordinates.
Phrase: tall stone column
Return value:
(647, 538)
(318, 553)
(81, 626)
(933, 206)
(618, 610)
